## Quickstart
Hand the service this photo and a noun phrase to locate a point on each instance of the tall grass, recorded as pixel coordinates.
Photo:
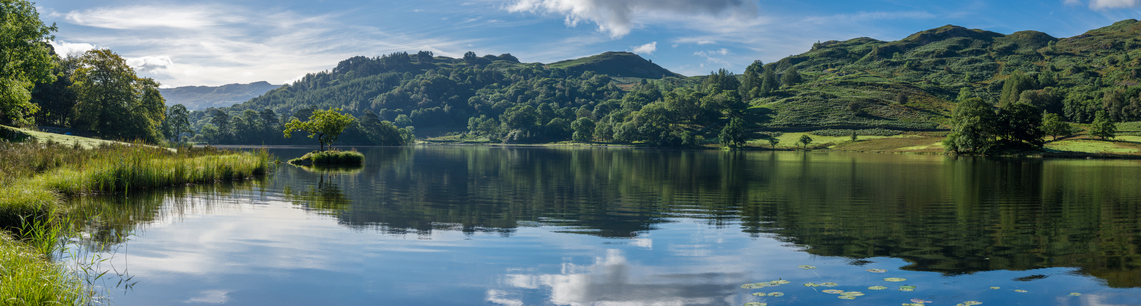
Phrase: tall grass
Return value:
(330, 158)
(34, 178)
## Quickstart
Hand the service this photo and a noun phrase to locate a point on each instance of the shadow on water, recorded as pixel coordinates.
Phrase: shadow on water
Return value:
(946, 215)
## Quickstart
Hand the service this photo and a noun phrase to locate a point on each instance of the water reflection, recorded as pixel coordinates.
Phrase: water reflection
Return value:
(971, 218)
(614, 280)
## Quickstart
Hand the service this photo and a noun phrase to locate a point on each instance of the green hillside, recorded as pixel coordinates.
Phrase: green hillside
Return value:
(910, 84)
(615, 64)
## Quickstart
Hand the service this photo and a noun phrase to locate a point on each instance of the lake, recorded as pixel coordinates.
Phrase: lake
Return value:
(485, 225)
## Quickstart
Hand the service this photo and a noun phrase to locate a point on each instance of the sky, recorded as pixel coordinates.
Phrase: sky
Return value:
(194, 43)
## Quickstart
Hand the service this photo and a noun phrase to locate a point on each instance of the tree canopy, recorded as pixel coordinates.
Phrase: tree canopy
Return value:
(325, 125)
(112, 102)
(25, 58)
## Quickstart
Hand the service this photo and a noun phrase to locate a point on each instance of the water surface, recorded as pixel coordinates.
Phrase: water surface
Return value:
(475, 225)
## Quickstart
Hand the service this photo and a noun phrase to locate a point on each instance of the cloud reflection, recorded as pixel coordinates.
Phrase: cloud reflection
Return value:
(612, 280)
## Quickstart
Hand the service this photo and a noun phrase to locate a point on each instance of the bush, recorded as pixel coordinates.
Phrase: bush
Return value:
(331, 157)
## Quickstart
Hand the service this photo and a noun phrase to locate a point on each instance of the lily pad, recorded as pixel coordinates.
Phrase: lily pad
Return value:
(756, 304)
(780, 282)
(894, 279)
(995, 288)
(907, 288)
(833, 291)
(829, 284)
(877, 288)
(920, 301)
(807, 267)
(759, 294)
(970, 303)
(1075, 294)
(853, 293)
(847, 297)
(918, 304)
(811, 285)
(776, 294)
(877, 270)
(1020, 291)
(747, 286)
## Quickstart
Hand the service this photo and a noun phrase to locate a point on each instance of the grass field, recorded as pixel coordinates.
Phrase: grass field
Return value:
(1119, 146)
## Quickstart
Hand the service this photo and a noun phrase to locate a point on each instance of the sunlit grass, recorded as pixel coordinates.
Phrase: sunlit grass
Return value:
(35, 177)
(330, 158)
(1094, 146)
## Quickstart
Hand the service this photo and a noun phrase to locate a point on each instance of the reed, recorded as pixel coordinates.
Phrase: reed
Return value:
(36, 177)
(28, 279)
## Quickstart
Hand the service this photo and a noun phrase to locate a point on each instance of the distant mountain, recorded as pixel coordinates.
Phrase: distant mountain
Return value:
(202, 97)
(615, 64)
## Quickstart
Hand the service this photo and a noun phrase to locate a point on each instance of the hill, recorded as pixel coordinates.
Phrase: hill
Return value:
(203, 97)
(909, 84)
(615, 64)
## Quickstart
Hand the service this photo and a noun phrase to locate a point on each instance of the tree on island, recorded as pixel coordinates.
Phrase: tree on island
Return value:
(26, 59)
(325, 125)
(1103, 127)
(971, 127)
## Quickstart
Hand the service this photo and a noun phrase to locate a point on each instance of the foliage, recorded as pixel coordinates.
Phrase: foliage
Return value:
(177, 121)
(1020, 123)
(112, 102)
(1053, 125)
(325, 125)
(1103, 127)
(862, 132)
(25, 58)
(805, 140)
(330, 157)
(733, 135)
(971, 127)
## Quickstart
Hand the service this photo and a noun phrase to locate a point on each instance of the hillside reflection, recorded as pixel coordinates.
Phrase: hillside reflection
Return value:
(952, 216)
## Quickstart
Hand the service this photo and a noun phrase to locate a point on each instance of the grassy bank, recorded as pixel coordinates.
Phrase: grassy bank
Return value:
(350, 158)
(36, 176)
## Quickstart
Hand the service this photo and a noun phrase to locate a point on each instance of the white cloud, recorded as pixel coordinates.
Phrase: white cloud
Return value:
(216, 44)
(149, 17)
(1113, 4)
(1073, 2)
(618, 17)
(706, 42)
(66, 49)
(150, 64)
(712, 55)
(647, 48)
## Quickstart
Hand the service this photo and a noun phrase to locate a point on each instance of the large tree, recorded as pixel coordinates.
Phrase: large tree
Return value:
(25, 58)
(325, 125)
(972, 128)
(111, 101)
(1103, 127)
(177, 121)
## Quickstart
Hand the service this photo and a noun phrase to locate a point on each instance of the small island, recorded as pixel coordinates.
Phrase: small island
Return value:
(325, 126)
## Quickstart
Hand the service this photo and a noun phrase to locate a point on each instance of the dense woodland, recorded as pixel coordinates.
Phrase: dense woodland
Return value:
(906, 85)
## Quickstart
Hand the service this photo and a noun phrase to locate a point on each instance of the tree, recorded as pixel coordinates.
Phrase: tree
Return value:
(769, 81)
(971, 127)
(177, 121)
(403, 120)
(1013, 86)
(583, 129)
(25, 58)
(791, 77)
(733, 135)
(325, 125)
(111, 101)
(1053, 125)
(1020, 123)
(1103, 127)
(854, 137)
(774, 141)
(805, 140)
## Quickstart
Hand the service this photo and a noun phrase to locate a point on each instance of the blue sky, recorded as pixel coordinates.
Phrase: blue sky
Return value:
(181, 43)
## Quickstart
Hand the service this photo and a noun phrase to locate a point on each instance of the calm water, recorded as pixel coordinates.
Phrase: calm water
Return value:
(470, 225)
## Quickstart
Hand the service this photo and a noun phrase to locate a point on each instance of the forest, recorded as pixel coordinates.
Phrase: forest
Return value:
(858, 85)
